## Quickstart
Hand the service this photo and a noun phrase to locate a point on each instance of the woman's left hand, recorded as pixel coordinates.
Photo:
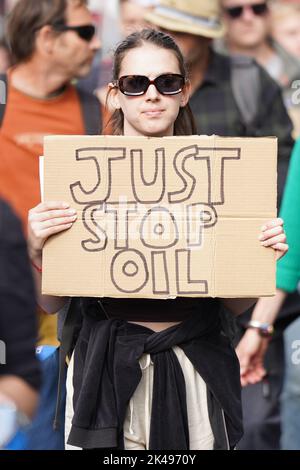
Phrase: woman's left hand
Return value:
(273, 235)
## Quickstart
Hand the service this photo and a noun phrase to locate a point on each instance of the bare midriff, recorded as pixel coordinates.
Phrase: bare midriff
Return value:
(156, 326)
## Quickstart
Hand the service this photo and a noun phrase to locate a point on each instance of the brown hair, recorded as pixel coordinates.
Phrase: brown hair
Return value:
(27, 17)
(184, 124)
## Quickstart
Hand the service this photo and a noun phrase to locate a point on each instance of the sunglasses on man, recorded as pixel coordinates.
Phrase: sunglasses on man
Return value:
(85, 32)
(259, 9)
(136, 85)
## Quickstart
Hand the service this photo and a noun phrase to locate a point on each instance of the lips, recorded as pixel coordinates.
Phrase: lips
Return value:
(153, 112)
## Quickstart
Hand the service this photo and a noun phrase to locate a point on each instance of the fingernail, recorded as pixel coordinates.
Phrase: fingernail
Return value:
(65, 205)
(72, 212)
(261, 237)
(264, 227)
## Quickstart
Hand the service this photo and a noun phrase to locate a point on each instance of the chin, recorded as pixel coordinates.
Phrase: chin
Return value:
(83, 71)
(158, 132)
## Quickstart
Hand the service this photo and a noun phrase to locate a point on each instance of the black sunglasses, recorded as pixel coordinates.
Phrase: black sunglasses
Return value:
(136, 85)
(258, 9)
(85, 32)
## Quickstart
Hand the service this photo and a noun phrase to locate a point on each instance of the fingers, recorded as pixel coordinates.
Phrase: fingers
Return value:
(273, 240)
(52, 218)
(272, 232)
(273, 235)
(253, 376)
(52, 213)
(50, 205)
(281, 250)
(46, 233)
(271, 224)
(46, 219)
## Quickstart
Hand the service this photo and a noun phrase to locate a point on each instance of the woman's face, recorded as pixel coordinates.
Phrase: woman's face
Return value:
(151, 114)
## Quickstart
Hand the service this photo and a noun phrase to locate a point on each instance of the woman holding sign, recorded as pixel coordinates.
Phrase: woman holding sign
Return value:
(149, 374)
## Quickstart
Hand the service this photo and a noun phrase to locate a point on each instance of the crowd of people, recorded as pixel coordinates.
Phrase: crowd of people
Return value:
(231, 68)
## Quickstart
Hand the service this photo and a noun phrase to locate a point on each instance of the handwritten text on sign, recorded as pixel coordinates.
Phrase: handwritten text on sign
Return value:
(155, 212)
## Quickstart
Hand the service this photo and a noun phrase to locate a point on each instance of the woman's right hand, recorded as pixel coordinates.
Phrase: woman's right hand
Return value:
(44, 220)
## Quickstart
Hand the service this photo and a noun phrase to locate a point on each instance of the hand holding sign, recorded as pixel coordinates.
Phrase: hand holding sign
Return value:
(44, 220)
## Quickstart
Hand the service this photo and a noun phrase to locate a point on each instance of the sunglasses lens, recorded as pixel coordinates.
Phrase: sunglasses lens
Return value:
(86, 32)
(234, 12)
(260, 8)
(133, 85)
(169, 84)
(166, 84)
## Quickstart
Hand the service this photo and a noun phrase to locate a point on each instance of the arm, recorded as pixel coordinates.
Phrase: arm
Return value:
(45, 220)
(288, 269)
(252, 346)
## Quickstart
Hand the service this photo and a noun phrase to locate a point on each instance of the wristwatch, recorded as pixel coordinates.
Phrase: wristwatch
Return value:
(265, 329)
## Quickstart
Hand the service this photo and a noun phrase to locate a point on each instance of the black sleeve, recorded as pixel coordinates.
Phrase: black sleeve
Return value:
(18, 319)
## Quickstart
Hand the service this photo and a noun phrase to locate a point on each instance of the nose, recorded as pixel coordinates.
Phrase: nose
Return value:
(248, 13)
(152, 93)
(95, 43)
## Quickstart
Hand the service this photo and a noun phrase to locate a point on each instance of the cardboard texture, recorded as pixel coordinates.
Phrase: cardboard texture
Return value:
(161, 217)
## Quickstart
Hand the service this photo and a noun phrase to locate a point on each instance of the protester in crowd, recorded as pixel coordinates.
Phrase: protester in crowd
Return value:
(249, 32)
(19, 368)
(150, 92)
(132, 14)
(285, 20)
(52, 42)
(230, 97)
(267, 309)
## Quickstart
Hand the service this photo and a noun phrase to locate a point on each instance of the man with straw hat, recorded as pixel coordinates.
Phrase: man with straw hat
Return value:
(230, 97)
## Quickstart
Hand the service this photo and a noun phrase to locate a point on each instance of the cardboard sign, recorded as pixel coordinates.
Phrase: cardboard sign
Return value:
(161, 217)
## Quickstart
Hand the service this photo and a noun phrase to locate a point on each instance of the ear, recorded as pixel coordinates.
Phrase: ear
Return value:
(113, 96)
(45, 39)
(185, 94)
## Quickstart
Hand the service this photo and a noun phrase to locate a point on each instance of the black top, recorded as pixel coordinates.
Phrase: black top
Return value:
(152, 310)
(18, 320)
(107, 372)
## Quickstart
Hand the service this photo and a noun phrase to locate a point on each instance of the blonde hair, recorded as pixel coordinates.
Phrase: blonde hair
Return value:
(280, 9)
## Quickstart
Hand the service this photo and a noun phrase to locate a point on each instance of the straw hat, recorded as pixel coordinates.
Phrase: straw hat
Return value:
(199, 17)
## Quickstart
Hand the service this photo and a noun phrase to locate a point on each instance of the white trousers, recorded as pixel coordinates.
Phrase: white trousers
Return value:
(138, 414)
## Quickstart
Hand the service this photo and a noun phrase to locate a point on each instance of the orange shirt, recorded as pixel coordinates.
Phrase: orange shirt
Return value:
(26, 121)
